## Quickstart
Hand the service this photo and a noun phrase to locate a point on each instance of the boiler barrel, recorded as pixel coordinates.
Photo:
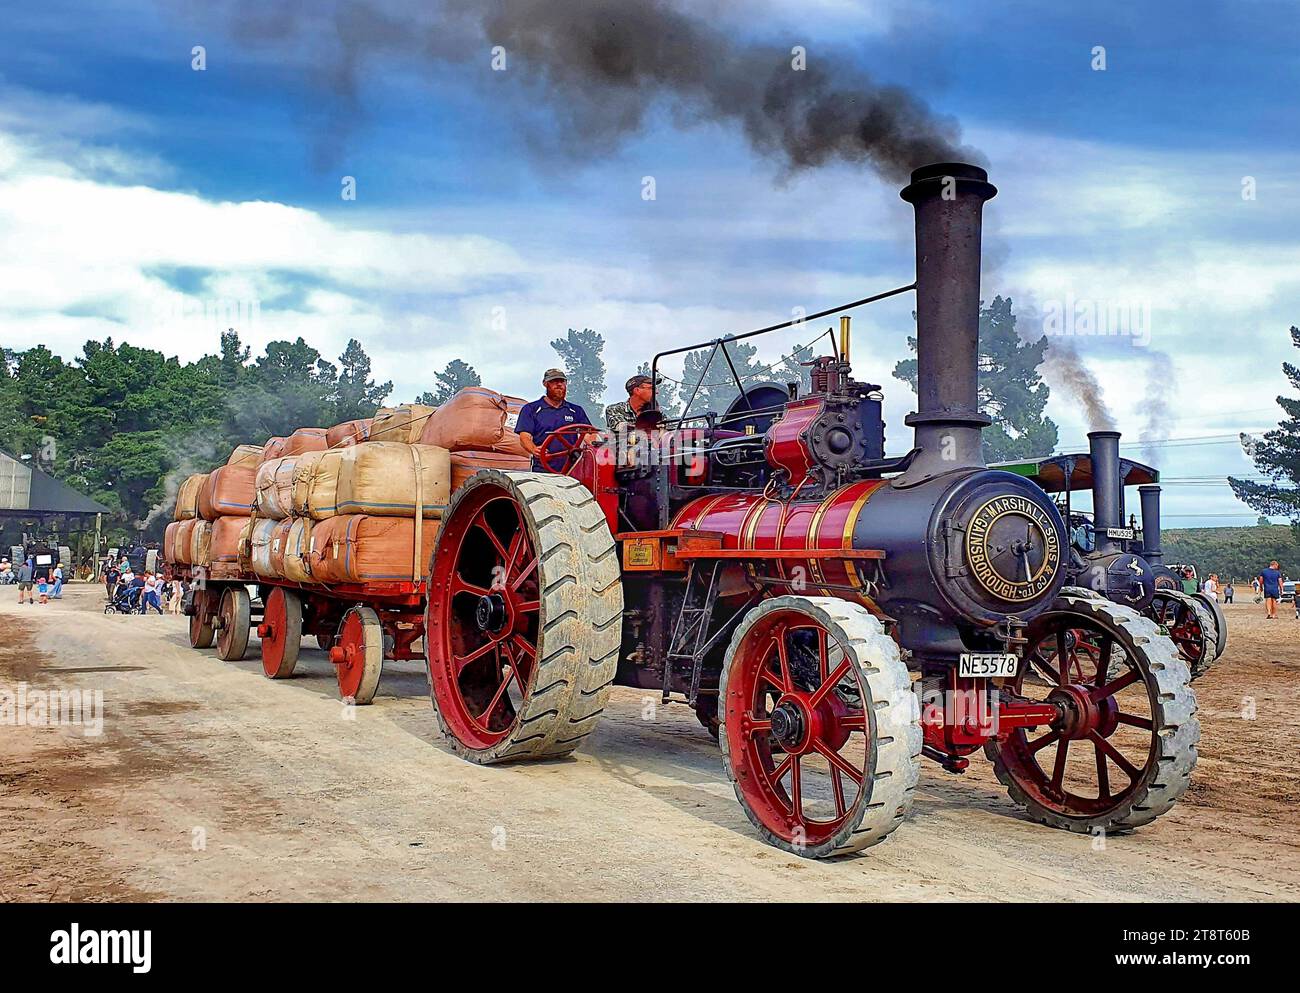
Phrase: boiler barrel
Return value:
(971, 547)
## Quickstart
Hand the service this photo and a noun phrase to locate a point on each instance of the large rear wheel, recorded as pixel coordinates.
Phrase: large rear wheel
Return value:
(524, 617)
(232, 624)
(1123, 750)
(820, 729)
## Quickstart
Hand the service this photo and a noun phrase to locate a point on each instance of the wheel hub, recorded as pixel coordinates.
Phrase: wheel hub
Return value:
(1081, 714)
(490, 615)
(788, 725)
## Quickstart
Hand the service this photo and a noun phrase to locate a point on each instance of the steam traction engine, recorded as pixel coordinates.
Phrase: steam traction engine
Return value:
(830, 613)
(1107, 558)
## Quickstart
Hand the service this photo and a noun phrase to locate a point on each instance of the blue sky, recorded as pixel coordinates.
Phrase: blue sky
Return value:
(134, 190)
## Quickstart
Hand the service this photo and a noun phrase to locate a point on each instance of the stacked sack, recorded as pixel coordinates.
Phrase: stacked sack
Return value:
(347, 513)
(477, 426)
(211, 512)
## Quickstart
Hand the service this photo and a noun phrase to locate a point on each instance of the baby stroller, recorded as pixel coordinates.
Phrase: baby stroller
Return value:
(122, 601)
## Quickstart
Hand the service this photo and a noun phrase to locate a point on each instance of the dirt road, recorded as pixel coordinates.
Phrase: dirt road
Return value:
(209, 782)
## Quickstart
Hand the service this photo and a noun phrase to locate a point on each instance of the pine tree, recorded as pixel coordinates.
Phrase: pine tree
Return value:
(1277, 456)
(580, 351)
(450, 381)
(357, 395)
(717, 384)
(1011, 389)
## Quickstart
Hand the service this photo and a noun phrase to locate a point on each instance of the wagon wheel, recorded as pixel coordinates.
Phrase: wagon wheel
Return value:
(571, 442)
(1190, 627)
(201, 630)
(232, 624)
(820, 729)
(281, 633)
(1123, 749)
(359, 655)
(524, 617)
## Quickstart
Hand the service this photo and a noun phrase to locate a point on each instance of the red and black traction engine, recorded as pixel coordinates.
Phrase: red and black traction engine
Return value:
(797, 587)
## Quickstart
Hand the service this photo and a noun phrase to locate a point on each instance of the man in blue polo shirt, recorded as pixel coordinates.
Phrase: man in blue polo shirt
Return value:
(539, 419)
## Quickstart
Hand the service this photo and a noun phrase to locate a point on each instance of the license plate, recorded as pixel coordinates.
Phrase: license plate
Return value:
(979, 664)
(1126, 534)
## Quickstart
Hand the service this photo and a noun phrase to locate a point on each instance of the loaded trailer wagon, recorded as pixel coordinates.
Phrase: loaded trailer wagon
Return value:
(315, 535)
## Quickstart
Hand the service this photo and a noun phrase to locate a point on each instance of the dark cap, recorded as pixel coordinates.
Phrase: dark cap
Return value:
(636, 381)
(551, 375)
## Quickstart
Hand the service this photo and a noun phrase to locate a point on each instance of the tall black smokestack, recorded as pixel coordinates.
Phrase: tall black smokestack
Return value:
(1151, 550)
(1106, 485)
(949, 201)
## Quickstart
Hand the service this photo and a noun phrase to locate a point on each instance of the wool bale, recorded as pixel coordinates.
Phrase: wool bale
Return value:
(315, 484)
(182, 541)
(358, 548)
(465, 464)
(226, 532)
(187, 497)
(295, 565)
(348, 433)
(247, 455)
(401, 424)
(273, 448)
(305, 440)
(476, 419)
(380, 478)
(259, 545)
(201, 543)
(169, 541)
(273, 486)
(279, 544)
(229, 490)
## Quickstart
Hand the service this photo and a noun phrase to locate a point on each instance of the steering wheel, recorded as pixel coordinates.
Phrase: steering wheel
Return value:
(571, 444)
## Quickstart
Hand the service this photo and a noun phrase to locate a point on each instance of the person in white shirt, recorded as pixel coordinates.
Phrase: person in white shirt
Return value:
(151, 596)
(1211, 587)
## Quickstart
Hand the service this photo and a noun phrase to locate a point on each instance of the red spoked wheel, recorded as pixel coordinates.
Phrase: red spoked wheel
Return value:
(820, 730)
(569, 444)
(201, 630)
(1189, 625)
(359, 655)
(1080, 653)
(232, 624)
(1123, 749)
(523, 622)
(281, 633)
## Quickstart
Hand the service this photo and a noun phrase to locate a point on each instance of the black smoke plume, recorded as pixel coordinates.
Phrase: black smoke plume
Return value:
(602, 67)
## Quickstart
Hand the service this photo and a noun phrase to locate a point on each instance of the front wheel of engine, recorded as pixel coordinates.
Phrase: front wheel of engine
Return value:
(819, 727)
(1123, 749)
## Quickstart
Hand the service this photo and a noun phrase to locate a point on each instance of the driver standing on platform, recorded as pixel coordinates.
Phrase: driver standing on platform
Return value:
(539, 419)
